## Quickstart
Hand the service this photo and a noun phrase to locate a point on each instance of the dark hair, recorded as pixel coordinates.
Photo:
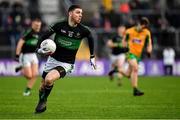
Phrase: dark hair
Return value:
(144, 21)
(72, 7)
(36, 19)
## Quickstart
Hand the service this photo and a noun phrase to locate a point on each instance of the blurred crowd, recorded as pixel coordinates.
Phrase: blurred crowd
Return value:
(164, 16)
(16, 17)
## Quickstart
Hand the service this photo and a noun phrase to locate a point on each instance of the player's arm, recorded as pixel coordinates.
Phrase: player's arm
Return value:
(149, 45)
(125, 43)
(110, 43)
(19, 47)
(125, 40)
(91, 48)
(51, 30)
(90, 43)
(44, 36)
(21, 42)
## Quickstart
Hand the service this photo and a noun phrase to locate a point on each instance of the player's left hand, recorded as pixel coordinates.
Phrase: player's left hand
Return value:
(148, 55)
(126, 49)
(93, 62)
(17, 58)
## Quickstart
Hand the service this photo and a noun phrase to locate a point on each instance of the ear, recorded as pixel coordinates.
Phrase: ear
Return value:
(70, 13)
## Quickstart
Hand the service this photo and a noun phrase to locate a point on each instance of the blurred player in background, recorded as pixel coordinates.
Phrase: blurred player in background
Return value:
(136, 38)
(68, 36)
(117, 53)
(25, 54)
(168, 60)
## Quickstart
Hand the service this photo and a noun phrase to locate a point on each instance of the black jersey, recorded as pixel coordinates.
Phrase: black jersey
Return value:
(117, 40)
(31, 38)
(68, 40)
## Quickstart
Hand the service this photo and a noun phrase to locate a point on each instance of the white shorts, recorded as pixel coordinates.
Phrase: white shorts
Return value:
(27, 59)
(115, 58)
(52, 63)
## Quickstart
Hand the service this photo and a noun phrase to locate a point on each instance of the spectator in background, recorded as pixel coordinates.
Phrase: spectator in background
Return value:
(4, 15)
(96, 20)
(16, 20)
(168, 60)
(107, 5)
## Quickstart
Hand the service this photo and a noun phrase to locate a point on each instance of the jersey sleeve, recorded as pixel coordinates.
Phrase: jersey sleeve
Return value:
(148, 37)
(127, 35)
(88, 35)
(47, 34)
(113, 38)
(53, 27)
(26, 34)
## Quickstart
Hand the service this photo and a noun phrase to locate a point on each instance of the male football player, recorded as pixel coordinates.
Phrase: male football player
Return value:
(136, 39)
(68, 36)
(26, 55)
(117, 53)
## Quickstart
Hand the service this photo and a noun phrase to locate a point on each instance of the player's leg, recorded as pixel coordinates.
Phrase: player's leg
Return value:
(27, 72)
(30, 71)
(126, 73)
(47, 85)
(120, 63)
(34, 69)
(53, 70)
(134, 77)
(111, 73)
(45, 89)
(18, 68)
(171, 69)
(114, 68)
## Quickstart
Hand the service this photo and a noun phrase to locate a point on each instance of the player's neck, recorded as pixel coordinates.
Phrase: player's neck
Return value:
(71, 23)
(120, 34)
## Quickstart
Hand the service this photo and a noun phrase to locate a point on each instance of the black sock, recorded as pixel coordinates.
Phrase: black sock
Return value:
(27, 89)
(113, 71)
(43, 94)
(135, 89)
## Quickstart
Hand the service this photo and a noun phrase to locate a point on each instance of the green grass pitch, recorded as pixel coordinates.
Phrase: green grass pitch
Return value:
(93, 98)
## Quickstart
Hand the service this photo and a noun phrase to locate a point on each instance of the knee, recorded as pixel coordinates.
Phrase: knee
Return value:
(35, 75)
(135, 69)
(48, 81)
(28, 76)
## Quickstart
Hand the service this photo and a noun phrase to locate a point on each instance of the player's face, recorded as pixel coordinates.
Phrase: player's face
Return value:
(36, 26)
(121, 30)
(139, 27)
(76, 15)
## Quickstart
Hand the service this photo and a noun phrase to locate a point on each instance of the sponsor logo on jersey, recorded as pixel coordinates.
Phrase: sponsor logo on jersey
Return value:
(65, 43)
(78, 35)
(70, 33)
(35, 36)
(63, 31)
(137, 41)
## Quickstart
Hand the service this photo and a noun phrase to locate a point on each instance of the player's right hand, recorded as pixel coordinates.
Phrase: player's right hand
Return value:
(43, 51)
(17, 58)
